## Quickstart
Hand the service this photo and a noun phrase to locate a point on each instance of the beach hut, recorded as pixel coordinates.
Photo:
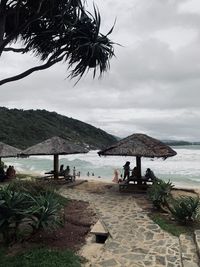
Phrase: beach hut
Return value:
(55, 146)
(139, 145)
(7, 151)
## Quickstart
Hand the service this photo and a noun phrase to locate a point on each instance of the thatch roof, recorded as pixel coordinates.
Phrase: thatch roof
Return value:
(55, 146)
(140, 145)
(8, 151)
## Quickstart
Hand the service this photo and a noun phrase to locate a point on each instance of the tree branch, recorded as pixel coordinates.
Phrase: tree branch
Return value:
(28, 72)
(16, 32)
(17, 50)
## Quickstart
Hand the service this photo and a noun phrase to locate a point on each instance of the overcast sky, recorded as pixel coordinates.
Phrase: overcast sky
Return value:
(153, 85)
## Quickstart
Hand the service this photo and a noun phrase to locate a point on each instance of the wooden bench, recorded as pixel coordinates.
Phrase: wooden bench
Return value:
(69, 178)
(135, 185)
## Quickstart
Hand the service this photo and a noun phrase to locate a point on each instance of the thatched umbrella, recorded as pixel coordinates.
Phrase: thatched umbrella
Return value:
(7, 151)
(55, 146)
(139, 145)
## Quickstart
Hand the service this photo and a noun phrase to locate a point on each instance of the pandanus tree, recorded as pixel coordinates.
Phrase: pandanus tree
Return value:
(54, 31)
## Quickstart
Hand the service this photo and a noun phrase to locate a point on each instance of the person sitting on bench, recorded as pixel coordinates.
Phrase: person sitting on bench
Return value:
(134, 175)
(61, 171)
(68, 176)
(149, 175)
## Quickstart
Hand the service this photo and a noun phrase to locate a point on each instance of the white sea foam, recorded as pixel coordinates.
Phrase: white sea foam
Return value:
(182, 169)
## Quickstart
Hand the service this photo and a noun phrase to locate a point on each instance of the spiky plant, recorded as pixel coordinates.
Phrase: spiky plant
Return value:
(185, 209)
(56, 30)
(159, 193)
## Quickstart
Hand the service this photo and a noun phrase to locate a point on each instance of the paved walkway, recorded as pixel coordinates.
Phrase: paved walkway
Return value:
(135, 241)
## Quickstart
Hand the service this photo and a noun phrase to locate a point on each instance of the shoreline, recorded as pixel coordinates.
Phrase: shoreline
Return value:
(96, 181)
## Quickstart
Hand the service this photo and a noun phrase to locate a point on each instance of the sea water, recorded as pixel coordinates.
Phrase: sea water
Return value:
(182, 170)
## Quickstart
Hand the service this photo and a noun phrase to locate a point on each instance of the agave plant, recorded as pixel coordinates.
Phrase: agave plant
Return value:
(160, 193)
(185, 209)
(44, 211)
(32, 187)
(12, 212)
(22, 207)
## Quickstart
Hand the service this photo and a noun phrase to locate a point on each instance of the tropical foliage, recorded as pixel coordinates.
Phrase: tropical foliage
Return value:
(12, 211)
(54, 31)
(18, 207)
(159, 193)
(185, 209)
(41, 125)
(43, 211)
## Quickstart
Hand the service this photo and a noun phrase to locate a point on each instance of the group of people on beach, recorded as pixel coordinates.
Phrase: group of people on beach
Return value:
(65, 171)
(10, 173)
(134, 173)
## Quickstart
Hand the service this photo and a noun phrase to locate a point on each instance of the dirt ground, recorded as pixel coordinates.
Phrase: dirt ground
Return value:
(78, 219)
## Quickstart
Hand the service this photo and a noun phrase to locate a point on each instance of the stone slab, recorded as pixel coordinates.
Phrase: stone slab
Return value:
(99, 229)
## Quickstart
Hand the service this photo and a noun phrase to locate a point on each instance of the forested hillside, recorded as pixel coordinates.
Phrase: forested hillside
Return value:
(23, 128)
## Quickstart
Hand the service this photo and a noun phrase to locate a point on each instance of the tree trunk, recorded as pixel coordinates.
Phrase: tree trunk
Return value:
(55, 166)
(138, 165)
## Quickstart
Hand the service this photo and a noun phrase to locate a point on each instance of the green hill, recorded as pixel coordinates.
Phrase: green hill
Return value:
(23, 128)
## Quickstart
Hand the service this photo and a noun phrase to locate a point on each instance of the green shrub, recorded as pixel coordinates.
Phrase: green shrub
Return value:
(159, 193)
(44, 211)
(12, 211)
(40, 210)
(185, 209)
(32, 187)
(37, 188)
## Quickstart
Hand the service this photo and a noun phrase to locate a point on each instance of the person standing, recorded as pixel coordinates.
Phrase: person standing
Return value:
(126, 170)
(116, 176)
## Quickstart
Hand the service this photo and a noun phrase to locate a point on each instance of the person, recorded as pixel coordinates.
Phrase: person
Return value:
(10, 172)
(13, 172)
(116, 176)
(67, 170)
(74, 172)
(126, 170)
(61, 172)
(88, 174)
(149, 175)
(2, 174)
(134, 172)
(68, 176)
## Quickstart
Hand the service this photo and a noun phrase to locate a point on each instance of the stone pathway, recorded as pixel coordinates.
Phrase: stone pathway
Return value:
(135, 240)
(188, 251)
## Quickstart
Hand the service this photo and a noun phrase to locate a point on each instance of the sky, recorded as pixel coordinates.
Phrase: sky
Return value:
(152, 87)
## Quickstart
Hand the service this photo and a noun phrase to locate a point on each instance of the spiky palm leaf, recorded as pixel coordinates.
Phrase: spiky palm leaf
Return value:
(63, 28)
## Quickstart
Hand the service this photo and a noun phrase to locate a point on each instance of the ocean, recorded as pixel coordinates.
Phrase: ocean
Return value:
(182, 170)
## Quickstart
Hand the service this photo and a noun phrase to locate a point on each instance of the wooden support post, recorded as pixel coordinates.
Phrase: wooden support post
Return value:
(55, 162)
(138, 165)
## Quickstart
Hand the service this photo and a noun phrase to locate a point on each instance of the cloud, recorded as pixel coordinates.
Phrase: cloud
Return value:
(152, 86)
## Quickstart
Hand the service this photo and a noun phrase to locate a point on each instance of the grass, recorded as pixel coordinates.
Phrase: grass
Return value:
(171, 226)
(41, 257)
